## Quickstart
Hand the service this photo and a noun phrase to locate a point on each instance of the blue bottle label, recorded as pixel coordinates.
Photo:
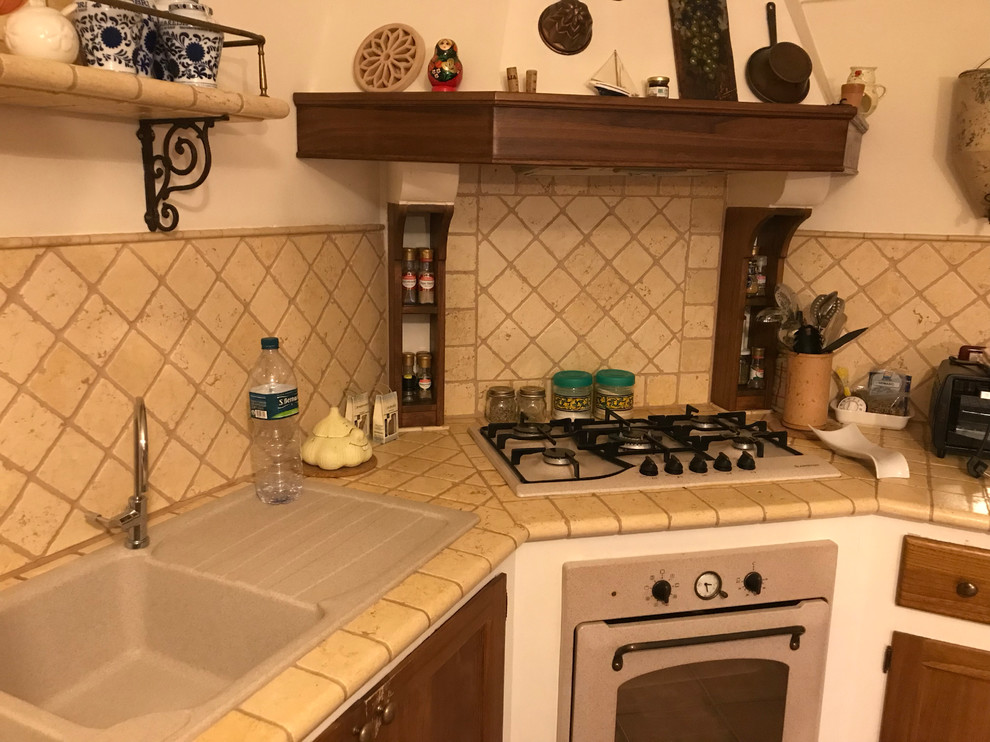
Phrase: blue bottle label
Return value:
(274, 403)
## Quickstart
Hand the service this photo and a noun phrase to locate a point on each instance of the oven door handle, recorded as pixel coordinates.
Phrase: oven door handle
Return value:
(794, 631)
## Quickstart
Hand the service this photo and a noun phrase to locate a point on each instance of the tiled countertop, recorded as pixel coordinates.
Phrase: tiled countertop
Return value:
(447, 468)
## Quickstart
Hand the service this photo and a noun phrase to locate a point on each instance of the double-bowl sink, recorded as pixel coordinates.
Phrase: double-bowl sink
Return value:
(157, 644)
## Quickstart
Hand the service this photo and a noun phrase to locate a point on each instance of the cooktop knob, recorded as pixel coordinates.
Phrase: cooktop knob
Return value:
(673, 466)
(722, 463)
(746, 461)
(753, 582)
(699, 465)
(649, 467)
(661, 591)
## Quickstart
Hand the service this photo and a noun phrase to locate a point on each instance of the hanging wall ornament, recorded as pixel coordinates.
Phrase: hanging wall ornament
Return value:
(565, 26)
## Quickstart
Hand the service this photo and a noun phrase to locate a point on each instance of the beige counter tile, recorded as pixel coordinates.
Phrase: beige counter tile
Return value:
(239, 726)
(777, 502)
(388, 478)
(295, 700)
(432, 595)
(636, 512)
(732, 506)
(904, 500)
(957, 486)
(347, 659)
(862, 493)
(470, 493)
(686, 510)
(586, 516)
(854, 468)
(4, 584)
(496, 519)
(467, 570)
(410, 465)
(822, 501)
(465, 507)
(451, 472)
(429, 486)
(394, 625)
(494, 547)
(949, 468)
(538, 516)
(967, 511)
(435, 453)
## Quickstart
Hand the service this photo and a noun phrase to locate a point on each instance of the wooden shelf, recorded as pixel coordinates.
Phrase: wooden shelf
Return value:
(578, 131)
(74, 89)
(411, 309)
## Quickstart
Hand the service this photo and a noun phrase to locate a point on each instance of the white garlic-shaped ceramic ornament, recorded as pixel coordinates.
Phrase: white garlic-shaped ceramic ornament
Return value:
(336, 443)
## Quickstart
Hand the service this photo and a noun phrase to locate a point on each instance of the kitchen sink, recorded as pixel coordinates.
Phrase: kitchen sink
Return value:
(157, 643)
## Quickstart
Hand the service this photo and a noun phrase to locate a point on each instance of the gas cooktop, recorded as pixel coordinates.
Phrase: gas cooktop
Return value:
(656, 452)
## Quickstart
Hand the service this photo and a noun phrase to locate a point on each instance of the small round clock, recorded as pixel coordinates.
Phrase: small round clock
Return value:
(708, 585)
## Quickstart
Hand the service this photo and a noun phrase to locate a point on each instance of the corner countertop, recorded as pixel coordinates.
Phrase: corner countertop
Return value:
(445, 467)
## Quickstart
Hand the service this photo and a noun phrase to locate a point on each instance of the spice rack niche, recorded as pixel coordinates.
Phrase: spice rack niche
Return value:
(772, 229)
(402, 220)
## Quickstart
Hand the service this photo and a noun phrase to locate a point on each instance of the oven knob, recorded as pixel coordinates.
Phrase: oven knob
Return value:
(661, 591)
(649, 467)
(722, 463)
(698, 464)
(673, 466)
(753, 582)
(746, 461)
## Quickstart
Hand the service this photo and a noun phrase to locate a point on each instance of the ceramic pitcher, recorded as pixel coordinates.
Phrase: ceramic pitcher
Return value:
(872, 92)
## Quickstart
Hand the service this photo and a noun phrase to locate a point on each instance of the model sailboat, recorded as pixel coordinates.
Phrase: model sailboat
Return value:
(612, 78)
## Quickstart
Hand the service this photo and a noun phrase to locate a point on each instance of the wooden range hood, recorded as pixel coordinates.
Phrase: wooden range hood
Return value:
(540, 130)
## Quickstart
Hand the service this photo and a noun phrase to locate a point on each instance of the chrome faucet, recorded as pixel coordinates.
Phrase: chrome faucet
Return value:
(134, 520)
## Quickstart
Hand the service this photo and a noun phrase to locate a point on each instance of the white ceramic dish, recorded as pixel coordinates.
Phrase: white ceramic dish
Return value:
(850, 441)
(873, 419)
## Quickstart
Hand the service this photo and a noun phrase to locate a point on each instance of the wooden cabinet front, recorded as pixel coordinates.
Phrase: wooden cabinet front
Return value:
(936, 692)
(448, 690)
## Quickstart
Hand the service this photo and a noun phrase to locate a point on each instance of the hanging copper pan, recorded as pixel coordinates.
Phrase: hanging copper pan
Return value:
(781, 72)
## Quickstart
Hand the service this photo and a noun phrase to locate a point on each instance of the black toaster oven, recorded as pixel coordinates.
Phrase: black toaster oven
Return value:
(960, 408)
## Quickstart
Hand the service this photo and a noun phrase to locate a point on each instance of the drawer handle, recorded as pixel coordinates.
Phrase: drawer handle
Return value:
(966, 589)
(387, 712)
(367, 733)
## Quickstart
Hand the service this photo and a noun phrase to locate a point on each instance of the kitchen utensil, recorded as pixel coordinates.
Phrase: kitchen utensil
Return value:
(850, 441)
(843, 373)
(808, 340)
(848, 401)
(848, 337)
(829, 312)
(814, 310)
(826, 309)
(779, 73)
(785, 297)
(771, 315)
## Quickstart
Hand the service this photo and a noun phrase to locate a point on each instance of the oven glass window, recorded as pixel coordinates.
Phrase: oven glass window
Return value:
(739, 700)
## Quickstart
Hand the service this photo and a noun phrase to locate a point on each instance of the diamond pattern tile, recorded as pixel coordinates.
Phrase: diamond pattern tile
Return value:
(89, 327)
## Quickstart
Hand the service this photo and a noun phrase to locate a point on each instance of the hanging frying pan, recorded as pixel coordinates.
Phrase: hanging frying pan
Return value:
(781, 72)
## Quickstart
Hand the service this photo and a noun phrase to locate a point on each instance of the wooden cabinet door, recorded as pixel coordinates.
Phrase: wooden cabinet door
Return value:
(936, 692)
(448, 690)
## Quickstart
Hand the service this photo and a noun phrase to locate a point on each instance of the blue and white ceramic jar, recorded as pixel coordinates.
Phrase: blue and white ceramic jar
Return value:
(144, 54)
(190, 55)
(110, 38)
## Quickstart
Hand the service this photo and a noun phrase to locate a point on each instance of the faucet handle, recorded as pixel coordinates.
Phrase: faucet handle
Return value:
(140, 447)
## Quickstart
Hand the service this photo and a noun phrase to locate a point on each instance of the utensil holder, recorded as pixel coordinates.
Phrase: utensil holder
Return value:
(808, 390)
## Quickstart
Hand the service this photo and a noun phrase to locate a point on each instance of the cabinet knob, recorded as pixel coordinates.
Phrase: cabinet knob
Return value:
(966, 589)
(387, 712)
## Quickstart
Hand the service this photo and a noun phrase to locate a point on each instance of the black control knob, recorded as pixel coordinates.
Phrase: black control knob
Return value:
(673, 466)
(649, 467)
(746, 461)
(722, 463)
(661, 591)
(753, 582)
(699, 464)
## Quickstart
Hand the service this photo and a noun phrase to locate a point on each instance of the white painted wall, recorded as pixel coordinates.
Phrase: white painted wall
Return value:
(65, 175)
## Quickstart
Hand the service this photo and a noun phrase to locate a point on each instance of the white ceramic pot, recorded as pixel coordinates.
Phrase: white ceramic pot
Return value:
(35, 30)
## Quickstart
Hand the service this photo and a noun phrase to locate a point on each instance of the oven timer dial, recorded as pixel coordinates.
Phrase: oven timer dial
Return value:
(661, 591)
(708, 585)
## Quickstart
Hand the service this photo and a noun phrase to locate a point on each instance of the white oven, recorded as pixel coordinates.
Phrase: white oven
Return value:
(719, 646)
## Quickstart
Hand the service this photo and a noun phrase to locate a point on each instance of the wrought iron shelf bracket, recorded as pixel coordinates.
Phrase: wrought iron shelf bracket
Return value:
(182, 163)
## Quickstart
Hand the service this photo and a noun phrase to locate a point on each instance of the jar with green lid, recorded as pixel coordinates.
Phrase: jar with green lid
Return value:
(572, 395)
(614, 391)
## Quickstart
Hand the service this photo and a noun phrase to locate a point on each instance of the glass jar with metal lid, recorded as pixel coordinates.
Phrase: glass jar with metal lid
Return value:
(614, 391)
(532, 402)
(572, 395)
(658, 87)
(500, 405)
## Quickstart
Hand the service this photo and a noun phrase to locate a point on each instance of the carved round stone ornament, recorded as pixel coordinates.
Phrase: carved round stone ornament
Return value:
(565, 26)
(389, 59)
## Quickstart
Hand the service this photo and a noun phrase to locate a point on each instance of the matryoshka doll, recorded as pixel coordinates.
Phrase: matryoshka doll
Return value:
(445, 70)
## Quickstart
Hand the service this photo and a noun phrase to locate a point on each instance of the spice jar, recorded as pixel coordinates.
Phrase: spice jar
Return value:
(658, 87)
(757, 376)
(427, 280)
(500, 405)
(409, 382)
(410, 275)
(425, 379)
(532, 403)
(571, 394)
(614, 391)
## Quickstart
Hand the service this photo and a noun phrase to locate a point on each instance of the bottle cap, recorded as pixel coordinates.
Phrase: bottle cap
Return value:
(500, 391)
(572, 379)
(534, 392)
(615, 377)
(426, 254)
(269, 343)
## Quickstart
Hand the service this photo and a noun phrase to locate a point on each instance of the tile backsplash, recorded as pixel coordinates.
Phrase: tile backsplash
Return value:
(89, 325)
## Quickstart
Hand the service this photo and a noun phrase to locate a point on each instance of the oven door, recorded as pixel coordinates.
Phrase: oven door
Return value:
(746, 676)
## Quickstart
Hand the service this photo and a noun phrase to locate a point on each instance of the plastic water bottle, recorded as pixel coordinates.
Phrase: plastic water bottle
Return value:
(274, 400)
